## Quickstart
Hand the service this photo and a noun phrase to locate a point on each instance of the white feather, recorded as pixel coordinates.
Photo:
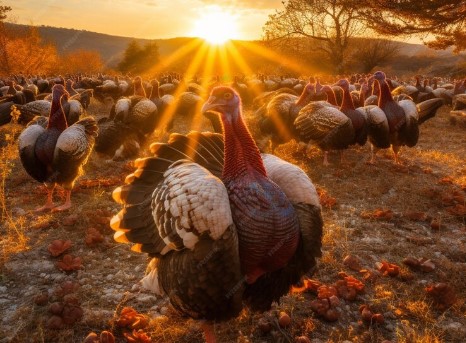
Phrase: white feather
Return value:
(197, 200)
(374, 114)
(29, 136)
(150, 282)
(122, 105)
(410, 109)
(292, 180)
(72, 141)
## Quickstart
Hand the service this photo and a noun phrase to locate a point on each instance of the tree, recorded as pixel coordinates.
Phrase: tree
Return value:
(139, 59)
(81, 61)
(444, 19)
(131, 54)
(329, 23)
(4, 62)
(29, 53)
(370, 53)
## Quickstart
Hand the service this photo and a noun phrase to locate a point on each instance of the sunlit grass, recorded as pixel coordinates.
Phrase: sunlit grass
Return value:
(12, 231)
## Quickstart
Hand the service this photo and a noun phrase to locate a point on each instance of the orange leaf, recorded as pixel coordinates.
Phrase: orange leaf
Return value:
(59, 246)
(69, 263)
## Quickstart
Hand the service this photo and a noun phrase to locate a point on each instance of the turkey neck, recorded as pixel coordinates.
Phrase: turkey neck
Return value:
(155, 93)
(362, 96)
(385, 95)
(347, 103)
(331, 97)
(303, 99)
(242, 156)
(57, 117)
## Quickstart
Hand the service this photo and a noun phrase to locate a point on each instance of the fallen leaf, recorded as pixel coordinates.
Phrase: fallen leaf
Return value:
(325, 199)
(388, 269)
(59, 246)
(138, 336)
(379, 214)
(93, 236)
(415, 216)
(443, 294)
(69, 263)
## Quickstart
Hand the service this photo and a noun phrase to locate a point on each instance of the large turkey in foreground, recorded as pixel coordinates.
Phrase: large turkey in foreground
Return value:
(225, 224)
(53, 152)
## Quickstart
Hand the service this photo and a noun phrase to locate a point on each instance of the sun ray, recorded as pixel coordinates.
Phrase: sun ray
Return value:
(191, 70)
(276, 119)
(208, 68)
(272, 55)
(176, 56)
(224, 63)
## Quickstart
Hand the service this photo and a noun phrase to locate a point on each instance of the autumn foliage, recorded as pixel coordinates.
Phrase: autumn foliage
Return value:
(81, 61)
(24, 51)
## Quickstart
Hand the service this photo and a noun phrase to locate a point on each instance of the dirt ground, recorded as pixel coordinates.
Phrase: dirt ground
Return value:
(375, 213)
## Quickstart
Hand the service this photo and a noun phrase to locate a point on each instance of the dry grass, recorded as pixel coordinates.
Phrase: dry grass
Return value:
(109, 279)
(13, 238)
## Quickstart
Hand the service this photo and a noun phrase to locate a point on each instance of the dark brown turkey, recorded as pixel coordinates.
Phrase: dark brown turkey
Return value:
(400, 125)
(227, 226)
(53, 152)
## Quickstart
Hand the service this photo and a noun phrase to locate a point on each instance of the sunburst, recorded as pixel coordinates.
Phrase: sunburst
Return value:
(216, 25)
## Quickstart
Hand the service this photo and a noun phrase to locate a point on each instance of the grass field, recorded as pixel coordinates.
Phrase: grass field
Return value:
(423, 203)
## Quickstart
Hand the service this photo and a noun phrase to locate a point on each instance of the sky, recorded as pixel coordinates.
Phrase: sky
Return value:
(141, 19)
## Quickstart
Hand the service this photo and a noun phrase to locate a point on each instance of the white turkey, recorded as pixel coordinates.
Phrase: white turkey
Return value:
(227, 226)
(53, 153)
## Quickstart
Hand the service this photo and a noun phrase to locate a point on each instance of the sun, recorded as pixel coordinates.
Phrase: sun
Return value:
(216, 26)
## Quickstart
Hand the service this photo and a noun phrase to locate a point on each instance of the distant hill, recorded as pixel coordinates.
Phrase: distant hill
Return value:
(416, 57)
(110, 47)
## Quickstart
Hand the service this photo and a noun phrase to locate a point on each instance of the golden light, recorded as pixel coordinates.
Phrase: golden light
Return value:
(216, 26)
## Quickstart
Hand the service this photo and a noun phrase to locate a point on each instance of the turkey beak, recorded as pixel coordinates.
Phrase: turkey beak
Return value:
(209, 105)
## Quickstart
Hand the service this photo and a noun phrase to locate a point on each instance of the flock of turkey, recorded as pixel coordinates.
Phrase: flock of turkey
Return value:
(251, 220)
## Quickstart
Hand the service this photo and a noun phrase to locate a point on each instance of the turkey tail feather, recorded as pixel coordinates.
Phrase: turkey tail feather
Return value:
(428, 109)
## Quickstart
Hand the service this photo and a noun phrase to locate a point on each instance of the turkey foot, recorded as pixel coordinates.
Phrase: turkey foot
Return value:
(396, 150)
(66, 205)
(209, 332)
(343, 161)
(373, 153)
(49, 203)
(48, 206)
(326, 164)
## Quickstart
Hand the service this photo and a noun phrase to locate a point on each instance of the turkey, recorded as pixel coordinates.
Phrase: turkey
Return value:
(326, 91)
(325, 125)
(130, 121)
(13, 97)
(459, 102)
(31, 109)
(226, 225)
(281, 111)
(402, 120)
(53, 152)
(358, 119)
(82, 95)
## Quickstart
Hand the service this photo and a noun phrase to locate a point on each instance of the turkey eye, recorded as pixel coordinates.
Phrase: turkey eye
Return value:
(227, 96)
